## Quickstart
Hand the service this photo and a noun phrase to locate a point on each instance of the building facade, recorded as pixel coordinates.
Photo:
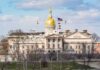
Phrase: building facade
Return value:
(51, 40)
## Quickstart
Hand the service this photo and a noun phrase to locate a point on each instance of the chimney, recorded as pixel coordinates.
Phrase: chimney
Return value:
(84, 31)
(67, 31)
(76, 30)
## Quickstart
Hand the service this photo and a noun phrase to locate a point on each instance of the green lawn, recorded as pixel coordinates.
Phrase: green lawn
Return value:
(50, 66)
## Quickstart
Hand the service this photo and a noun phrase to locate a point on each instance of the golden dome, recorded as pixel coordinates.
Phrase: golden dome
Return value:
(50, 22)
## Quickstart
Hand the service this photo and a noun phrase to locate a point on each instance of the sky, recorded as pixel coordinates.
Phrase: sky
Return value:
(23, 14)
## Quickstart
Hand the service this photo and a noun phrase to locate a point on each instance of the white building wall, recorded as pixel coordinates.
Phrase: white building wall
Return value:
(54, 45)
(76, 45)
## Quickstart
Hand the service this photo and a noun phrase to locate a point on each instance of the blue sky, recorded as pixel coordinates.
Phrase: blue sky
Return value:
(23, 14)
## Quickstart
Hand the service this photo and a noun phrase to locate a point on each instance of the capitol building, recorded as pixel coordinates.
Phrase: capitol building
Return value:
(51, 40)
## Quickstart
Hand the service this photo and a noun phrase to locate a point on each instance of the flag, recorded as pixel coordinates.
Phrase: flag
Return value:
(37, 22)
(59, 26)
(58, 23)
(60, 19)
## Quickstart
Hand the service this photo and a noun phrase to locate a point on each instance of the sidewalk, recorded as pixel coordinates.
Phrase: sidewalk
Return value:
(93, 64)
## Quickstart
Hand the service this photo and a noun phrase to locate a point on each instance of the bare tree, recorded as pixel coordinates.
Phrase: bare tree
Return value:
(4, 43)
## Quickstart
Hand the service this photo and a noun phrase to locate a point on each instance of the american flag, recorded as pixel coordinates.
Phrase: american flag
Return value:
(60, 19)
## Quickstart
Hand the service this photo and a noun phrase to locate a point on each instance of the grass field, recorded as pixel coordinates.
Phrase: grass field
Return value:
(48, 66)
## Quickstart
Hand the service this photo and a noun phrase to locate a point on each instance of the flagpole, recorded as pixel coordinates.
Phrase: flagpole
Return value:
(37, 22)
(58, 28)
(59, 23)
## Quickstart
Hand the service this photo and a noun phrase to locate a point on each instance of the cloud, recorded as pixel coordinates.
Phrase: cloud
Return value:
(18, 19)
(12, 22)
(82, 19)
(69, 4)
(6, 18)
(79, 18)
(82, 16)
(44, 4)
(87, 17)
(28, 19)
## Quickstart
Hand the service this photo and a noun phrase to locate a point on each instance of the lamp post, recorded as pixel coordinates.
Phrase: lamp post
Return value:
(17, 50)
(84, 53)
(18, 41)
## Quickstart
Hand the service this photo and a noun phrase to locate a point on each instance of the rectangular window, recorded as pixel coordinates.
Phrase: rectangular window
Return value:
(27, 51)
(42, 47)
(58, 40)
(70, 47)
(48, 40)
(76, 47)
(79, 46)
(27, 46)
(48, 46)
(36, 45)
(76, 52)
(53, 46)
(79, 52)
(23, 52)
(32, 46)
(11, 46)
(23, 47)
(88, 47)
(67, 47)
(58, 46)
(53, 40)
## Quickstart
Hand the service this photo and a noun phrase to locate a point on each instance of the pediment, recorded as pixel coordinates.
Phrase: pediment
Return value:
(53, 35)
(78, 35)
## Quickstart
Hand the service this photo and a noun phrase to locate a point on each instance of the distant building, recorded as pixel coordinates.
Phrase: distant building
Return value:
(97, 48)
(4, 56)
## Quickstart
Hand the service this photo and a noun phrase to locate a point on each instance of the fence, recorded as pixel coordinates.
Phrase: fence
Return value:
(51, 61)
